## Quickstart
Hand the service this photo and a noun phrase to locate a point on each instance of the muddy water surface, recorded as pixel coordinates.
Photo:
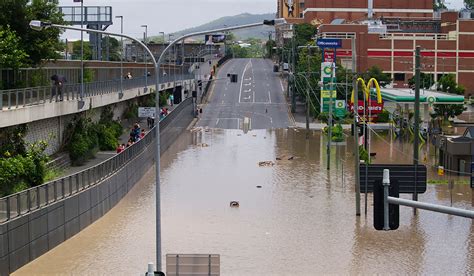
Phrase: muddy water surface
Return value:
(300, 222)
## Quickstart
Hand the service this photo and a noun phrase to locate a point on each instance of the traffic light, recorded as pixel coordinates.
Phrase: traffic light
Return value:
(233, 77)
(393, 209)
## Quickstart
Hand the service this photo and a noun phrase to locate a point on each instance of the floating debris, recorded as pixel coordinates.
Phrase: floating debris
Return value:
(234, 204)
(278, 158)
(291, 158)
(196, 129)
(203, 145)
(259, 187)
(266, 163)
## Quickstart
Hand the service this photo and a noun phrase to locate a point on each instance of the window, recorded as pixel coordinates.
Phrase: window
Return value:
(399, 76)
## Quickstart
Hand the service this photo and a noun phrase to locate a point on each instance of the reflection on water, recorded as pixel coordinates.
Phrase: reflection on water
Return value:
(301, 222)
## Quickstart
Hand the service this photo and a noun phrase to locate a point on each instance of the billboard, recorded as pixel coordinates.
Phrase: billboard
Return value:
(216, 38)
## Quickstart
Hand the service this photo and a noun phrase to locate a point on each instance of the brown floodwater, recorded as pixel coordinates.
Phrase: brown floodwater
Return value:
(300, 222)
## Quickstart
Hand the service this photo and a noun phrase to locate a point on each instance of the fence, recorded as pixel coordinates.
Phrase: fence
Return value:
(16, 98)
(41, 196)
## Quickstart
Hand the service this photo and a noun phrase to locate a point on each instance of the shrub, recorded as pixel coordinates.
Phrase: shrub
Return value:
(107, 138)
(384, 117)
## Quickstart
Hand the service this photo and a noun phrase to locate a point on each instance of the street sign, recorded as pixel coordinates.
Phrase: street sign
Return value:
(288, 35)
(193, 264)
(329, 43)
(326, 99)
(404, 174)
(145, 112)
(340, 109)
(472, 175)
(327, 71)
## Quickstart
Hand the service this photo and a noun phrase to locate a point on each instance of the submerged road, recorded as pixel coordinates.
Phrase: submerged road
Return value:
(257, 98)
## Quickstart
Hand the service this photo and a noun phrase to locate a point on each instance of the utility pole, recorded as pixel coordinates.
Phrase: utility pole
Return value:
(356, 131)
(417, 119)
(145, 56)
(307, 93)
(333, 73)
(293, 70)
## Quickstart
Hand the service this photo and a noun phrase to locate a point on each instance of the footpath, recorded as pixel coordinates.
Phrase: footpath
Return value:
(101, 156)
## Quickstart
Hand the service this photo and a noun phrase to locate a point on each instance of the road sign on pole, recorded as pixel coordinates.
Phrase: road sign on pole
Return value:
(329, 43)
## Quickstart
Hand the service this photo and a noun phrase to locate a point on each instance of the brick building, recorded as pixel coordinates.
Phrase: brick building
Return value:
(312, 11)
(389, 39)
(449, 51)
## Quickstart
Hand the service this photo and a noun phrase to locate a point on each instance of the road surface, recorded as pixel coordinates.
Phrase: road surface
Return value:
(256, 100)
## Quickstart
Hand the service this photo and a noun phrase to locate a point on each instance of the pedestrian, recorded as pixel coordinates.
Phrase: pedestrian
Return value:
(148, 122)
(142, 134)
(58, 83)
(128, 76)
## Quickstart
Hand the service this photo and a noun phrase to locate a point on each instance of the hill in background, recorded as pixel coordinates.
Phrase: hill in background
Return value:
(227, 21)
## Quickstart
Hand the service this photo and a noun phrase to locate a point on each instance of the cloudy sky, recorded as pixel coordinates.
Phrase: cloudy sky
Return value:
(174, 15)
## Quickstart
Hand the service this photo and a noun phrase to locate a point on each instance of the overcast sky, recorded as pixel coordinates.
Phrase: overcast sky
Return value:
(174, 15)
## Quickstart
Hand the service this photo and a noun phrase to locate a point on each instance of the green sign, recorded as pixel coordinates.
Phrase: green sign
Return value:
(340, 110)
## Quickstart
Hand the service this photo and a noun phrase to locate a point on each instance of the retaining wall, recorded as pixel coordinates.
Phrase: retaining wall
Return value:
(27, 237)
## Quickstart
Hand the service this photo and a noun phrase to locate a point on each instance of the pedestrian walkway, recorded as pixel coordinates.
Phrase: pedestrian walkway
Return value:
(102, 156)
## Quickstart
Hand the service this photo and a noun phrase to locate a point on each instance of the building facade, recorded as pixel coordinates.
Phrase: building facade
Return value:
(449, 51)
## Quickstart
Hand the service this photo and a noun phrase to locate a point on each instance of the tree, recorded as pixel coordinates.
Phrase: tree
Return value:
(448, 84)
(37, 45)
(76, 50)
(469, 4)
(375, 72)
(426, 81)
(11, 56)
(114, 48)
(304, 33)
(439, 5)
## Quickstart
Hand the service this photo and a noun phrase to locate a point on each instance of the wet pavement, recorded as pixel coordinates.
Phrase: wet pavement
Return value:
(300, 222)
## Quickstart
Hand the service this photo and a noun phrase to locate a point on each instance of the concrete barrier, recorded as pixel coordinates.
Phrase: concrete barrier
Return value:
(28, 236)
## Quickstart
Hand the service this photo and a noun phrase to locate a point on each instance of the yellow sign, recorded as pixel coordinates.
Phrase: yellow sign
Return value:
(440, 170)
(327, 94)
(366, 89)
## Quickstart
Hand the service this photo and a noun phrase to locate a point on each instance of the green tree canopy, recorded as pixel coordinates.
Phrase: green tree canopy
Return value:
(11, 56)
(469, 4)
(37, 45)
(448, 84)
(375, 72)
(304, 33)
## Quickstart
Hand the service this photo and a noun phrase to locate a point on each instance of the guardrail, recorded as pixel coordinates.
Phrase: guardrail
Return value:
(41, 196)
(23, 97)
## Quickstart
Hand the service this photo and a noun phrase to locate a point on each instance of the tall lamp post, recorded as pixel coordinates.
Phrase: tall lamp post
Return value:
(38, 25)
(146, 57)
(121, 55)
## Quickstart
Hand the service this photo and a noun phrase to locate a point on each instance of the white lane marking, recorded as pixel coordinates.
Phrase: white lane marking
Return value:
(253, 100)
(282, 88)
(217, 122)
(247, 84)
(246, 91)
(224, 94)
(269, 98)
(242, 81)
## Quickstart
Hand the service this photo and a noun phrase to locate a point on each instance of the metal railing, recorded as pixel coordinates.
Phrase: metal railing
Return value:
(16, 98)
(415, 204)
(38, 197)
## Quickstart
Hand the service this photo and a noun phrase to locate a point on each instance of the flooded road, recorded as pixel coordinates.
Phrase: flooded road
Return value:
(300, 222)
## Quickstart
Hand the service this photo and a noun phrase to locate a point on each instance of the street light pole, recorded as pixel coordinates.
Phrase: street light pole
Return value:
(121, 53)
(146, 58)
(82, 51)
(38, 25)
